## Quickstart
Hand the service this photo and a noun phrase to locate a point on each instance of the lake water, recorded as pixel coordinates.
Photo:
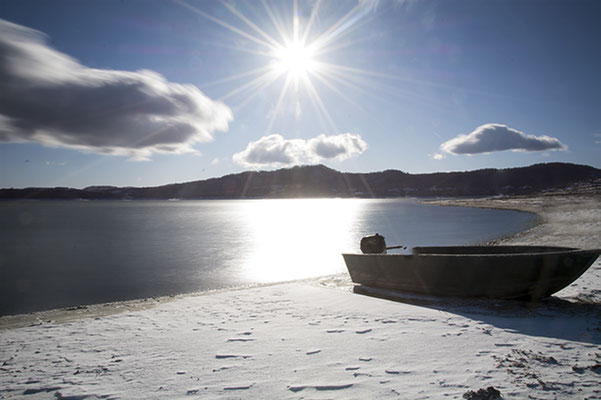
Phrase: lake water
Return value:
(67, 253)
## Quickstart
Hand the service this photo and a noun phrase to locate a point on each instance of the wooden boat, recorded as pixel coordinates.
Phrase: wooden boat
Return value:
(509, 272)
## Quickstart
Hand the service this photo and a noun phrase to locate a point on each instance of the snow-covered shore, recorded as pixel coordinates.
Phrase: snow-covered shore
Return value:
(316, 339)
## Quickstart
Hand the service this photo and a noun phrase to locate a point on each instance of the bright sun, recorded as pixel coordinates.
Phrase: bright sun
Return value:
(295, 52)
(295, 59)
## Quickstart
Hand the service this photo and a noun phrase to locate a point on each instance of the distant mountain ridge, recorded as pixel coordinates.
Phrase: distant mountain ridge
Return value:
(321, 181)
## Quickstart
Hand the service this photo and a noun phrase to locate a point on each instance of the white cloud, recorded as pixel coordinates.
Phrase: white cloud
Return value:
(438, 156)
(50, 98)
(338, 147)
(274, 150)
(271, 150)
(495, 137)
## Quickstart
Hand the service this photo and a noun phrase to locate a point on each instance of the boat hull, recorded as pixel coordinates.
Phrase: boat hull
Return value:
(529, 272)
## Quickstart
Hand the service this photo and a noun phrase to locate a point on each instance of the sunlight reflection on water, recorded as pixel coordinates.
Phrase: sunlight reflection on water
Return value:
(292, 239)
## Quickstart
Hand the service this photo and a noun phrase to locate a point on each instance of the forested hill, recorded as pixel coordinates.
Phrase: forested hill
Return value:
(321, 181)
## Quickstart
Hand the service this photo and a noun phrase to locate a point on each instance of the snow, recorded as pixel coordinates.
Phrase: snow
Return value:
(317, 339)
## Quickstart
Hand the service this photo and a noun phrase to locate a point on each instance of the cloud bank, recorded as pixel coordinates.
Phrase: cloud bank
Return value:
(275, 151)
(495, 137)
(49, 98)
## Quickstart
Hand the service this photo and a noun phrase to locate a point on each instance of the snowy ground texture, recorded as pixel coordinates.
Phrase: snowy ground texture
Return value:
(318, 340)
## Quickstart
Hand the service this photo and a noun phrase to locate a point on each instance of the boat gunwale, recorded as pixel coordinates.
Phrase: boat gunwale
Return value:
(554, 252)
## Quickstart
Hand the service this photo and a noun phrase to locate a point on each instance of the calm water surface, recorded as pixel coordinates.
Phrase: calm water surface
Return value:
(57, 254)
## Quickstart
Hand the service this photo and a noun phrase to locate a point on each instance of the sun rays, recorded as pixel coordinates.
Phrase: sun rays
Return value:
(293, 56)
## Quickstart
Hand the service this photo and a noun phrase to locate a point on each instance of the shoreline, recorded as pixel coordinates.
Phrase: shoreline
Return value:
(100, 310)
(490, 203)
(552, 211)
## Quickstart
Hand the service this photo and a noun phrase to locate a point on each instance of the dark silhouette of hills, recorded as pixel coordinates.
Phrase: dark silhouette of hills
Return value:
(321, 181)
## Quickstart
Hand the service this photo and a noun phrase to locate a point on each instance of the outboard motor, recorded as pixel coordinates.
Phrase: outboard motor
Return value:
(373, 244)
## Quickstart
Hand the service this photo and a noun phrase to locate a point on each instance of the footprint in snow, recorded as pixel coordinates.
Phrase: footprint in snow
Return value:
(396, 372)
(362, 331)
(225, 367)
(241, 387)
(222, 356)
(298, 388)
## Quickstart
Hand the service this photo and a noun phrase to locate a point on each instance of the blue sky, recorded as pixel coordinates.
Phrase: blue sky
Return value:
(142, 93)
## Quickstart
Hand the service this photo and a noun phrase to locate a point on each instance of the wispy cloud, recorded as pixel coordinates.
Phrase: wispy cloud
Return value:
(50, 98)
(495, 137)
(274, 150)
